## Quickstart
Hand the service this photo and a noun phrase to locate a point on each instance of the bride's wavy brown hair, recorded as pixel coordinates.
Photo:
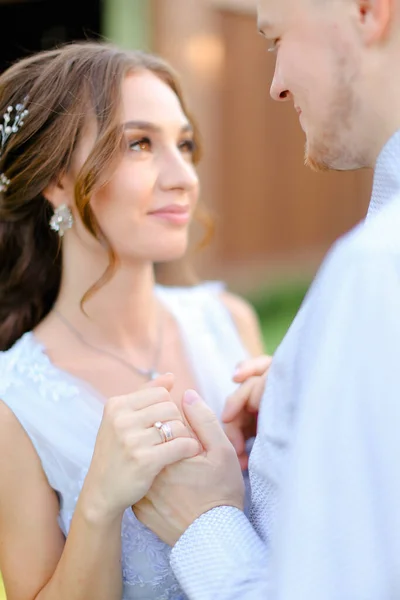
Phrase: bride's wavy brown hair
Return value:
(62, 88)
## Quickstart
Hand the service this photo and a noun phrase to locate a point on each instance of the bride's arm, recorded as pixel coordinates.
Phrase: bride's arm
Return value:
(246, 321)
(36, 561)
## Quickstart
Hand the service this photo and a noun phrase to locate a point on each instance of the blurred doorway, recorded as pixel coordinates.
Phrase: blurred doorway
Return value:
(31, 25)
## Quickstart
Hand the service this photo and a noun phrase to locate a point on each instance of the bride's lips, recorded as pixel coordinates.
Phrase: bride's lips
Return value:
(179, 214)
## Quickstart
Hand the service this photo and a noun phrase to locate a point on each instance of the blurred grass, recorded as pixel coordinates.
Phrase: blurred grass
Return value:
(276, 307)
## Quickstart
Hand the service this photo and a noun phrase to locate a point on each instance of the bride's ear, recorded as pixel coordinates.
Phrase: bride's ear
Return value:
(60, 192)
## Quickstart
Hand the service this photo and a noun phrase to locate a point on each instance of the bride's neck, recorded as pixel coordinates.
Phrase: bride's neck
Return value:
(123, 309)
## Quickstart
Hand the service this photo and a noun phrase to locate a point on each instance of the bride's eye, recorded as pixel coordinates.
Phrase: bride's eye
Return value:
(142, 145)
(188, 146)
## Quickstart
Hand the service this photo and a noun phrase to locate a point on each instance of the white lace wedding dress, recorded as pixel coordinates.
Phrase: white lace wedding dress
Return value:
(62, 414)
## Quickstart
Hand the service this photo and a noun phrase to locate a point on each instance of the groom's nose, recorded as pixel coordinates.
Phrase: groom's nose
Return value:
(279, 90)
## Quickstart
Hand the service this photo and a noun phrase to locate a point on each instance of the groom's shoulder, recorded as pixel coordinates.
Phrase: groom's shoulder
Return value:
(376, 238)
(367, 253)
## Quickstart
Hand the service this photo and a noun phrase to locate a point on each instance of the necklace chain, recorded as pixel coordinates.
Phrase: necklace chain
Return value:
(149, 374)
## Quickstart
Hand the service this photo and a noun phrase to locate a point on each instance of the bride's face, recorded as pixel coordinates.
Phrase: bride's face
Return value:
(146, 208)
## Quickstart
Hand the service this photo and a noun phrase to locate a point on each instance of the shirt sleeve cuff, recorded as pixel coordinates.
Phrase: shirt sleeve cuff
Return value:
(212, 549)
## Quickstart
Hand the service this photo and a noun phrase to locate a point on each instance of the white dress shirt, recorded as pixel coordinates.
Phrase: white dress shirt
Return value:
(325, 467)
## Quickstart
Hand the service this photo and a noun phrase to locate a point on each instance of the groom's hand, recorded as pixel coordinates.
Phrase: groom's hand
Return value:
(187, 489)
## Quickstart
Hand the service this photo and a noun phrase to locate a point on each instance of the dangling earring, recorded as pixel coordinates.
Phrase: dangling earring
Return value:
(62, 219)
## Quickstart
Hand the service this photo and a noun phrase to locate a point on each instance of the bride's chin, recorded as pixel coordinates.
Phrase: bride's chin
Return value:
(168, 254)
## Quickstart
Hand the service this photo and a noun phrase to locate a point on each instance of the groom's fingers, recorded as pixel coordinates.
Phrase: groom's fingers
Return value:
(203, 421)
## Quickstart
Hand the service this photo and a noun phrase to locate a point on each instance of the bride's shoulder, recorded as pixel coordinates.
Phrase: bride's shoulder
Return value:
(14, 359)
(15, 363)
(25, 367)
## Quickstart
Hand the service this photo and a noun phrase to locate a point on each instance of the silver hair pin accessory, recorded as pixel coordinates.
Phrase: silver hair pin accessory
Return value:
(4, 182)
(62, 219)
(13, 119)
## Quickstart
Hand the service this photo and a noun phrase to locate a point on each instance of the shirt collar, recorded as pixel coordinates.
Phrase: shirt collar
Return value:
(387, 175)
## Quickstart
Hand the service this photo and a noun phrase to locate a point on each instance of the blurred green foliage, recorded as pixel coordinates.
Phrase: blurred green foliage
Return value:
(276, 307)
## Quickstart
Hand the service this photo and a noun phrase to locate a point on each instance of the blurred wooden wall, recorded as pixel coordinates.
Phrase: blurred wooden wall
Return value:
(273, 215)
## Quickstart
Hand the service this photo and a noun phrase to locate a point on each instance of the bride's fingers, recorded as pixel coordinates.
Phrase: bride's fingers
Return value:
(165, 432)
(251, 367)
(165, 380)
(237, 401)
(244, 461)
(256, 394)
(236, 437)
(163, 411)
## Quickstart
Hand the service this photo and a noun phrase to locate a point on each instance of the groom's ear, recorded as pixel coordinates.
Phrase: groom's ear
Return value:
(375, 18)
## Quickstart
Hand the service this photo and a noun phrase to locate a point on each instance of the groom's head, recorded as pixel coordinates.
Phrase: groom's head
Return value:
(338, 61)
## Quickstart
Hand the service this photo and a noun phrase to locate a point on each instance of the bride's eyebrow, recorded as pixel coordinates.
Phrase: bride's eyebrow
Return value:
(148, 126)
(142, 125)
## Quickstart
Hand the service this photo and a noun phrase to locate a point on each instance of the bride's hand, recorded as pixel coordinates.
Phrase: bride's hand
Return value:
(241, 408)
(129, 451)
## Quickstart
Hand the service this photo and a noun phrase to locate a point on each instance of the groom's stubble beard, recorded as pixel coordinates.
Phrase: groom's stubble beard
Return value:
(330, 146)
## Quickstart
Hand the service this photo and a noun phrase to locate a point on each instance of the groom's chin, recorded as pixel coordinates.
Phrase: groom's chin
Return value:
(311, 161)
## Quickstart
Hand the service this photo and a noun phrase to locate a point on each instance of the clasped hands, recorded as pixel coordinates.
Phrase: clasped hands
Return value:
(186, 489)
(169, 484)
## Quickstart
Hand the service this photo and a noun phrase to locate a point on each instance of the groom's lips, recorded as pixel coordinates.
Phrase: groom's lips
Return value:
(299, 112)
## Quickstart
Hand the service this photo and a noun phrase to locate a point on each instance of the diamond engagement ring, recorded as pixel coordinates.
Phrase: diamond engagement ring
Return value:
(164, 430)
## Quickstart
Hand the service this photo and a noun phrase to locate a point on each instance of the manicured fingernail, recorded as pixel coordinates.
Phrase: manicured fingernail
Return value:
(190, 397)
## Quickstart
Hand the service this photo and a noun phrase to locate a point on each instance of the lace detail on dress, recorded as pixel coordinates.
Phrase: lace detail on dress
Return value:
(27, 361)
(145, 560)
